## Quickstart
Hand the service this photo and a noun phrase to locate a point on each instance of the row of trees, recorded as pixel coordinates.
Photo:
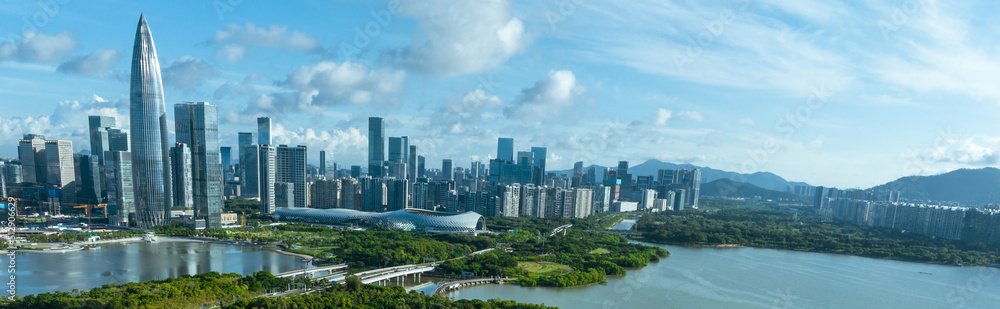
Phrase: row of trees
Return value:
(234, 291)
(184, 292)
(776, 228)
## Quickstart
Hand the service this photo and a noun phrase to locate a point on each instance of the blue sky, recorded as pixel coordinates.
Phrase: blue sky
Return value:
(846, 94)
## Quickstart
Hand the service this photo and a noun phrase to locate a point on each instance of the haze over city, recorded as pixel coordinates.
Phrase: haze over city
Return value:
(850, 95)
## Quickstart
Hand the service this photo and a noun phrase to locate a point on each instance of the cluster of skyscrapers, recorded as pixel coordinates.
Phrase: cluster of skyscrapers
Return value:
(144, 180)
(508, 185)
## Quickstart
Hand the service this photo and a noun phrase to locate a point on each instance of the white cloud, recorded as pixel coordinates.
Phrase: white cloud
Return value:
(231, 89)
(38, 47)
(689, 115)
(68, 121)
(96, 63)
(956, 151)
(462, 37)
(547, 98)
(745, 122)
(347, 145)
(187, 72)
(231, 42)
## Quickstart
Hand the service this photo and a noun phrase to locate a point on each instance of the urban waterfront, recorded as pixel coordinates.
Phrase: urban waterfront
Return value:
(135, 262)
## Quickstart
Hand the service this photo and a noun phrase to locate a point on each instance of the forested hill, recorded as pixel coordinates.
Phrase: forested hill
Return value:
(971, 187)
(729, 188)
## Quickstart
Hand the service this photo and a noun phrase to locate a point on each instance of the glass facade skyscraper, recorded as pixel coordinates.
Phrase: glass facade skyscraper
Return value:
(376, 146)
(505, 149)
(263, 131)
(197, 124)
(148, 119)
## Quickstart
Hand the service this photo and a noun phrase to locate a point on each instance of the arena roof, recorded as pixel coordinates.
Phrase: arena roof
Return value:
(410, 219)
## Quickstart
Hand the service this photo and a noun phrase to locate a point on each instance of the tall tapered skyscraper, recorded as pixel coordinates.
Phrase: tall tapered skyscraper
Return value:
(148, 119)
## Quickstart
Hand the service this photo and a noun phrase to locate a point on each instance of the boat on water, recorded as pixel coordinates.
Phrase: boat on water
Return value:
(150, 237)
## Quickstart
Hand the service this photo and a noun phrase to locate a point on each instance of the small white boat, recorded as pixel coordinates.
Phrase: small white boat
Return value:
(150, 237)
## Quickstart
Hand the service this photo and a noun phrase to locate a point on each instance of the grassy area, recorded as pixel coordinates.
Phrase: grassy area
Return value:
(544, 268)
(36, 246)
(599, 251)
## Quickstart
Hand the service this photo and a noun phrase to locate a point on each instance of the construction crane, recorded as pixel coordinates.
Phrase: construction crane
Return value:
(89, 209)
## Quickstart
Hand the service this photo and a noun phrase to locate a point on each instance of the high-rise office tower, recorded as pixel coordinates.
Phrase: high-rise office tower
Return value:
(118, 140)
(474, 170)
(226, 153)
(421, 170)
(538, 167)
(263, 131)
(524, 168)
(376, 146)
(411, 165)
(397, 194)
(505, 149)
(118, 181)
(12, 173)
(355, 171)
(249, 173)
(88, 178)
(577, 174)
(396, 151)
(291, 168)
(267, 165)
(148, 122)
(99, 139)
(59, 167)
(447, 170)
(197, 124)
(31, 152)
(322, 163)
(181, 172)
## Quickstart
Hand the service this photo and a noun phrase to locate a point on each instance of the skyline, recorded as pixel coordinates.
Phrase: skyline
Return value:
(544, 77)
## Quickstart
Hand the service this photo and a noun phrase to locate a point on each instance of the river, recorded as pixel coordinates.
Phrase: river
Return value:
(766, 278)
(135, 262)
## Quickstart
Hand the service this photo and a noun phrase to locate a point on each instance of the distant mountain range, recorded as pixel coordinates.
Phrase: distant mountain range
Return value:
(970, 187)
(764, 180)
(729, 188)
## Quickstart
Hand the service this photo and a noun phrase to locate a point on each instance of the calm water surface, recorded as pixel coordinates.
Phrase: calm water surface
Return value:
(134, 262)
(765, 278)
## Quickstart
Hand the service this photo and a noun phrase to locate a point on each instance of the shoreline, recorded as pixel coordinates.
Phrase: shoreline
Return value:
(305, 257)
(733, 246)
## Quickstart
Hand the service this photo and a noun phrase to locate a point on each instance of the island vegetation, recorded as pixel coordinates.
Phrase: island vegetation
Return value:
(785, 228)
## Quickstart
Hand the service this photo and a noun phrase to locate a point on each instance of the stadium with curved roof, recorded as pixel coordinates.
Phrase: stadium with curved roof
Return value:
(410, 219)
